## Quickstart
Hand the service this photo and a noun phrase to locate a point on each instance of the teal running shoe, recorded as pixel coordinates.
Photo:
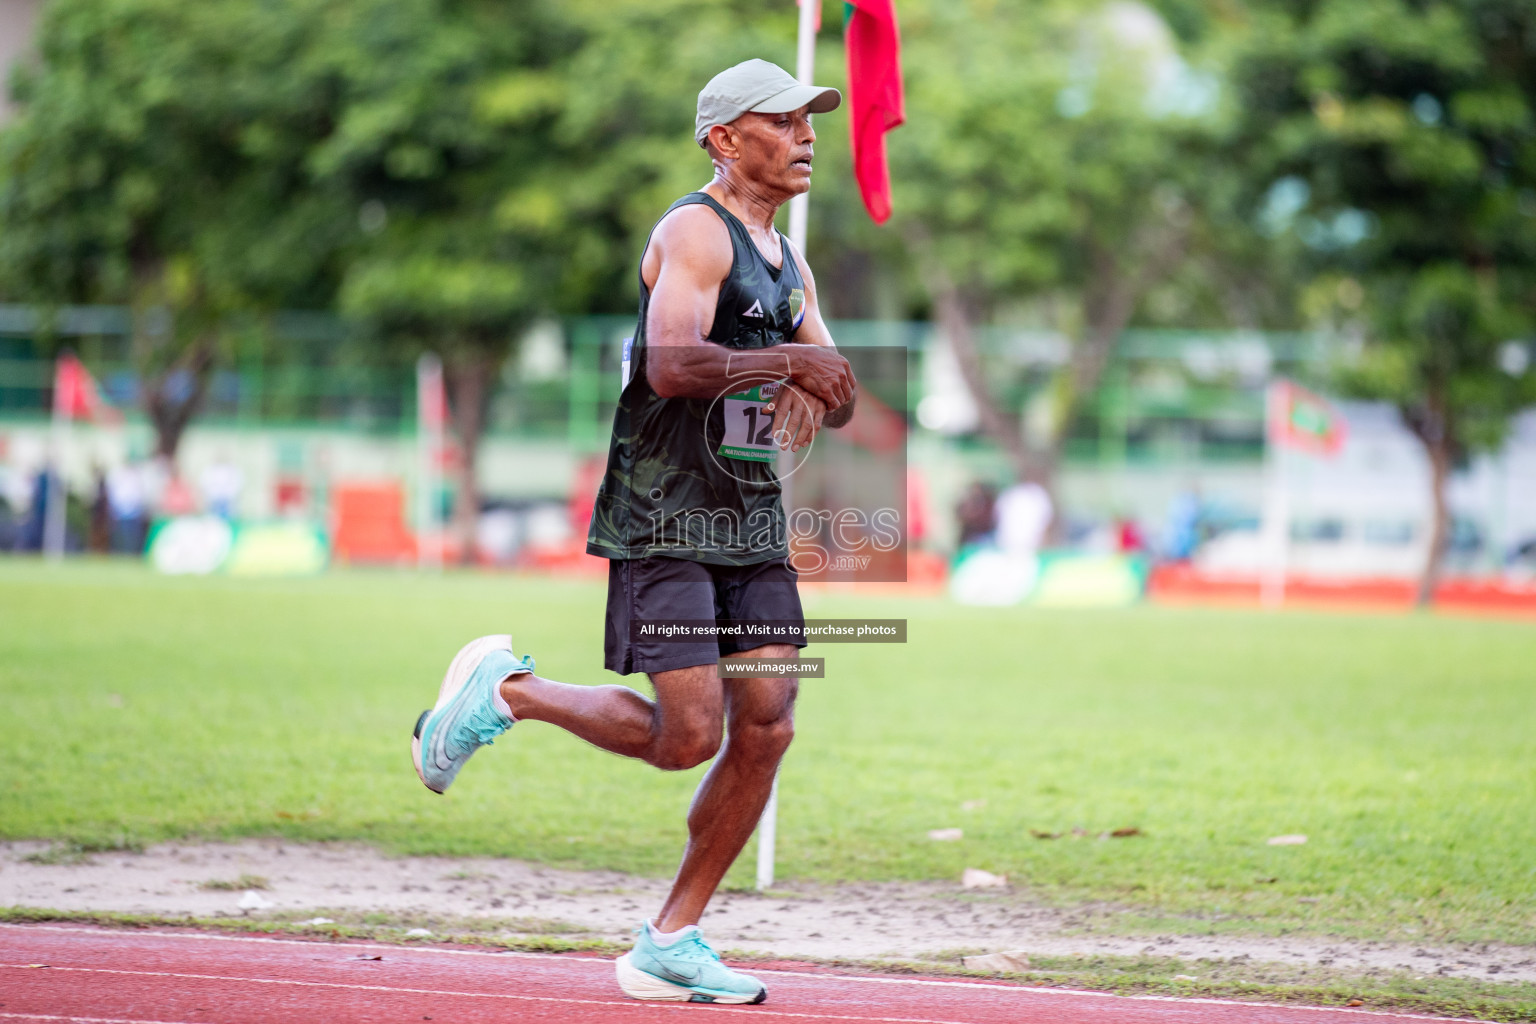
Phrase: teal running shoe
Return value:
(687, 971)
(465, 716)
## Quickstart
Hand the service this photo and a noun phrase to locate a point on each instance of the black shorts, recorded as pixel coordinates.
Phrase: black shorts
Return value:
(660, 589)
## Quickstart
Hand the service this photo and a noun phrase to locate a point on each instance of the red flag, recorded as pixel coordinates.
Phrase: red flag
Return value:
(1299, 419)
(874, 96)
(75, 395)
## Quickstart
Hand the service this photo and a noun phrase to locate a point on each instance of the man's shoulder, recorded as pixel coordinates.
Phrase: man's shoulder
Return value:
(695, 233)
(696, 218)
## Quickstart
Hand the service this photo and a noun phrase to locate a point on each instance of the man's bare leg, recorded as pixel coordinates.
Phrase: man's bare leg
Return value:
(760, 717)
(681, 729)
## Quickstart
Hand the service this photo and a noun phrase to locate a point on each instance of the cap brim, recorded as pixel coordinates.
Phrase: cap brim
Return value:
(818, 98)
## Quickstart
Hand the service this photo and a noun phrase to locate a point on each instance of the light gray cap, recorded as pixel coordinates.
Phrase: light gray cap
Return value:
(760, 87)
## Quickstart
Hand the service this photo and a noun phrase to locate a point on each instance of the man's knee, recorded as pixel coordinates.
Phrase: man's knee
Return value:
(766, 740)
(689, 718)
(683, 749)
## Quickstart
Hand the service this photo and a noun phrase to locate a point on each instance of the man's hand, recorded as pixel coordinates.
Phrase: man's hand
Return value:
(820, 371)
(839, 417)
(797, 416)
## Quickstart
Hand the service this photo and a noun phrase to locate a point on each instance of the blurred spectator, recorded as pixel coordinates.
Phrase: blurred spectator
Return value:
(290, 498)
(221, 484)
(30, 536)
(1023, 515)
(15, 497)
(1183, 525)
(126, 492)
(290, 493)
(917, 507)
(1520, 562)
(99, 536)
(169, 493)
(1129, 538)
(15, 488)
(976, 513)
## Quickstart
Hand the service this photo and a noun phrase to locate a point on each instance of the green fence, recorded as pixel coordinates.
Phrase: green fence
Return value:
(1167, 395)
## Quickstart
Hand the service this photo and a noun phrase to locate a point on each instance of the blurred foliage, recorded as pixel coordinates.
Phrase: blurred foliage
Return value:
(1052, 178)
(1017, 175)
(502, 160)
(1396, 146)
(158, 162)
(512, 167)
(445, 172)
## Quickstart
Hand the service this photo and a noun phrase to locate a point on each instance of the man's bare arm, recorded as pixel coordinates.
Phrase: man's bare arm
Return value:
(688, 258)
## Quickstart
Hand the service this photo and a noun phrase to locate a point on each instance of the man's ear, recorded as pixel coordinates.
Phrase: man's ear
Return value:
(725, 141)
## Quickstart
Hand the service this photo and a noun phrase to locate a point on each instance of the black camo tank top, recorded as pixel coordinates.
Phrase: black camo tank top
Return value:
(668, 489)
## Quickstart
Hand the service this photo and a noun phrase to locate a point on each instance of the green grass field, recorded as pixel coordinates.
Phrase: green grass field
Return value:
(140, 708)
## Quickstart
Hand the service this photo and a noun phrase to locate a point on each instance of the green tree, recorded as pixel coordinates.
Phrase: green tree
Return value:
(509, 160)
(157, 161)
(615, 121)
(444, 171)
(423, 166)
(1049, 179)
(1396, 142)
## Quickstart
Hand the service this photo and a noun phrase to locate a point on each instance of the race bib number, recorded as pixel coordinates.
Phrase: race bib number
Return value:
(749, 425)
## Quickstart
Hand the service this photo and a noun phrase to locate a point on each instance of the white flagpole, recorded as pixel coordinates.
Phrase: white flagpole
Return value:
(429, 451)
(805, 70)
(767, 837)
(1277, 505)
(53, 519)
(799, 214)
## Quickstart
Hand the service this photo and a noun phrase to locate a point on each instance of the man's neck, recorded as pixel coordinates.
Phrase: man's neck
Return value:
(754, 207)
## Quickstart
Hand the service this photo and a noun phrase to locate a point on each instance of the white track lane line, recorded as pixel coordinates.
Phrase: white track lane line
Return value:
(628, 1004)
(503, 954)
(90, 1020)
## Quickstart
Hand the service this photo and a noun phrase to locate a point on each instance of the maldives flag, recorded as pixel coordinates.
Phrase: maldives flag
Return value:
(1305, 421)
(431, 395)
(874, 96)
(75, 395)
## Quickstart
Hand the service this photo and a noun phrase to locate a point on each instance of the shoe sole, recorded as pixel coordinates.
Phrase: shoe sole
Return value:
(637, 984)
(459, 670)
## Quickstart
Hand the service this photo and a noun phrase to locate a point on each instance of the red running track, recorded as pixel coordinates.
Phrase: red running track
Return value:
(59, 973)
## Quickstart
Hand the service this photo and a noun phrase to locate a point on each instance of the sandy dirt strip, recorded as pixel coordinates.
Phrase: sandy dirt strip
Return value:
(903, 920)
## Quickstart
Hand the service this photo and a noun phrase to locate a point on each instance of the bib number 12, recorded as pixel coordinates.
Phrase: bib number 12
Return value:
(749, 426)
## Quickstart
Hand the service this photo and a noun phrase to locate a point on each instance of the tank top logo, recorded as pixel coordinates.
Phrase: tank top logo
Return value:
(756, 309)
(796, 305)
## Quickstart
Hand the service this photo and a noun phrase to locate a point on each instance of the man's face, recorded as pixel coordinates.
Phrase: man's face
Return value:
(774, 150)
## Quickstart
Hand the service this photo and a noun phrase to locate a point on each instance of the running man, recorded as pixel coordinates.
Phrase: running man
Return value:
(730, 363)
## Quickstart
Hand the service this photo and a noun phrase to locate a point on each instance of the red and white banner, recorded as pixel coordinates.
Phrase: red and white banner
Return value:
(1305, 421)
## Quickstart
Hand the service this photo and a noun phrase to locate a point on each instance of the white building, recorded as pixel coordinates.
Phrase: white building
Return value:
(18, 21)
